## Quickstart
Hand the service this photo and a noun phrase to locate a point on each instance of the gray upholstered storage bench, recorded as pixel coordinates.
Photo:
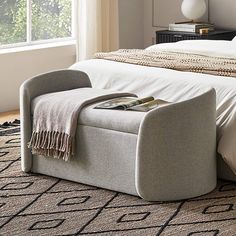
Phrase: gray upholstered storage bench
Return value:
(165, 154)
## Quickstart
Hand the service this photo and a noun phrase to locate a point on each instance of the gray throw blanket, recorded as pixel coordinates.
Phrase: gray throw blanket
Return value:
(55, 119)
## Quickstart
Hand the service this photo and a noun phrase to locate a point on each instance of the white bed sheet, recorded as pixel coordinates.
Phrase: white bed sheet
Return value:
(217, 48)
(173, 86)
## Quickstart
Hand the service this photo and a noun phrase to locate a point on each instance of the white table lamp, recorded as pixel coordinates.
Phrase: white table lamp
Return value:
(193, 9)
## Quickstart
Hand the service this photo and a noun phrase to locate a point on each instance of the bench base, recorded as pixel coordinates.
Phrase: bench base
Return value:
(105, 162)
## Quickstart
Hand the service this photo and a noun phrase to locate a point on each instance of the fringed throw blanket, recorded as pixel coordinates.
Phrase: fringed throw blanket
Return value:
(55, 119)
(174, 60)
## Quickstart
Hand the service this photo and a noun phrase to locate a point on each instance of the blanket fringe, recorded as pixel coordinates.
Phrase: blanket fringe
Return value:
(52, 144)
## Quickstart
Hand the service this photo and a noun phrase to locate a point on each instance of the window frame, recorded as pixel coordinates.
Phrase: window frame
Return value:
(30, 42)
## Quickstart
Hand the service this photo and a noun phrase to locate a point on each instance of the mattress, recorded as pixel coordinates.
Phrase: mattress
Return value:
(176, 86)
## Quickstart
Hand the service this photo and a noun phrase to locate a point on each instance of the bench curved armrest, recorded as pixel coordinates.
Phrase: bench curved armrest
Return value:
(46, 83)
(176, 141)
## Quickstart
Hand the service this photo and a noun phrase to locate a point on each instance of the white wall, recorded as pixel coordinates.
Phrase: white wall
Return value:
(223, 13)
(149, 30)
(18, 66)
(131, 23)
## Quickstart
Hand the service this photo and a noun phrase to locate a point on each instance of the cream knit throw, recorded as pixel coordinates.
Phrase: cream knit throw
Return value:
(173, 60)
(55, 118)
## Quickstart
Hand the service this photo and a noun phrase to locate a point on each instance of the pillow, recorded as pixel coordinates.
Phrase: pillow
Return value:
(218, 48)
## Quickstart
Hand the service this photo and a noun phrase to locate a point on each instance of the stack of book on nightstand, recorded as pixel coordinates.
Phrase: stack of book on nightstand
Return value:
(191, 27)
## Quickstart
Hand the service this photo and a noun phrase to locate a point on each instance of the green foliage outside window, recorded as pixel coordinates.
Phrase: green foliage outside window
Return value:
(50, 19)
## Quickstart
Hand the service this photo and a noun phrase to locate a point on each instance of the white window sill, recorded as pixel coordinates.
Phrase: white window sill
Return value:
(37, 47)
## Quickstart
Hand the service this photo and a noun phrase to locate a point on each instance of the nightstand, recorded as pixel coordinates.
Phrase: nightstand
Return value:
(174, 36)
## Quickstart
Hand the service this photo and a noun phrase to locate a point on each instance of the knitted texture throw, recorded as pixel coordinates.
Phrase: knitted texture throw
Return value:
(174, 60)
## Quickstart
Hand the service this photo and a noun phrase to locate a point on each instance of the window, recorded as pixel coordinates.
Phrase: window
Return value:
(27, 22)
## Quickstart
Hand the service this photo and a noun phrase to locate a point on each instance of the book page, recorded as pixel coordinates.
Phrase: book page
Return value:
(122, 103)
(149, 105)
(138, 102)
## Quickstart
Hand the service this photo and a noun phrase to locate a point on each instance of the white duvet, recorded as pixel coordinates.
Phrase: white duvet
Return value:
(176, 86)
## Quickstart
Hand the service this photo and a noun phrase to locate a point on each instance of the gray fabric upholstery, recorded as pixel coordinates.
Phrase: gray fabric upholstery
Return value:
(42, 84)
(108, 119)
(176, 155)
(167, 154)
(112, 119)
(102, 160)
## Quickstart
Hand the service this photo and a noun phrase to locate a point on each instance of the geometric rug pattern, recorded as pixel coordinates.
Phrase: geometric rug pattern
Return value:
(40, 205)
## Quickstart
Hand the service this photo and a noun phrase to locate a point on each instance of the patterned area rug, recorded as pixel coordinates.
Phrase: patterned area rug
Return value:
(40, 205)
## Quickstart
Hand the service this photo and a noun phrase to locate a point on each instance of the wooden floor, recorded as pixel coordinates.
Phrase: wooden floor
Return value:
(9, 116)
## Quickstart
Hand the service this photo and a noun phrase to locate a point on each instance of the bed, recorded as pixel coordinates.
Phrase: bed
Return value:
(175, 86)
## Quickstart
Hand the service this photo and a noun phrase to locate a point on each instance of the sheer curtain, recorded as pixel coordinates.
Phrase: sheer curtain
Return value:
(98, 27)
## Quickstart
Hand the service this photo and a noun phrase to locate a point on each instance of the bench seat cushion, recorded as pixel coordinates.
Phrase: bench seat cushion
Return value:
(118, 120)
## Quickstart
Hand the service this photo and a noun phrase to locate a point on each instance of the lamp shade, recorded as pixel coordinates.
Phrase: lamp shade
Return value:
(193, 9)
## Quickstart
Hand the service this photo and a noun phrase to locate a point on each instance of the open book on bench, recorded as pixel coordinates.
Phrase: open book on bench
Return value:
(131, 103)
